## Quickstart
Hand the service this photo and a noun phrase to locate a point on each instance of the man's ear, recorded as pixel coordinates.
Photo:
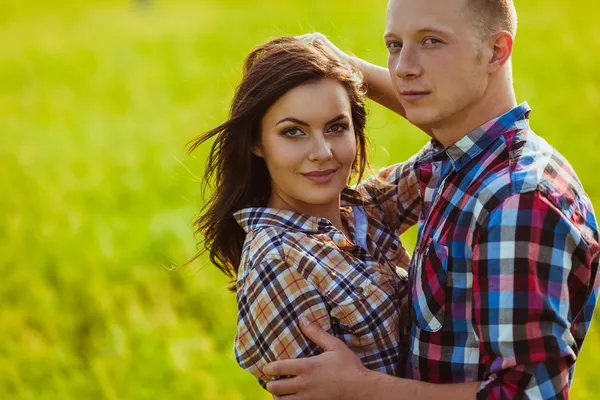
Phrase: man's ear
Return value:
(501, 46)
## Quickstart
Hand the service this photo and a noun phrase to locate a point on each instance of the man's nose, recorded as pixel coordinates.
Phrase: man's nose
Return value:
(407, 64)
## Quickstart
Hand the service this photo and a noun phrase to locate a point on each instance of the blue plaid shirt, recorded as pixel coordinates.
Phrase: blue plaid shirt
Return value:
(504, 276)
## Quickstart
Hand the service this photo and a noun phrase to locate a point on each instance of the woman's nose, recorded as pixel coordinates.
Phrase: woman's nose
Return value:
(321, 149)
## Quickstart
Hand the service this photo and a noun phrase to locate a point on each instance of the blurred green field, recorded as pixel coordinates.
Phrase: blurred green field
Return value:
(98, 98)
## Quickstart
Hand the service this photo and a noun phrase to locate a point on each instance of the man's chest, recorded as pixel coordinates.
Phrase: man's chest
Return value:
(441, 282)
(441, 276)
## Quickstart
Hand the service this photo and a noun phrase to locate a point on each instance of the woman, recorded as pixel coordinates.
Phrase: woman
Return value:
(284, 225)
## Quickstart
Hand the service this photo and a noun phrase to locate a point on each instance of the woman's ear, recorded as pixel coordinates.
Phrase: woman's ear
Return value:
(257, 150)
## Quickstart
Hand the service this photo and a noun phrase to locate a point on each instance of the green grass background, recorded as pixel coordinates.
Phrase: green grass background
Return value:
(98, 98)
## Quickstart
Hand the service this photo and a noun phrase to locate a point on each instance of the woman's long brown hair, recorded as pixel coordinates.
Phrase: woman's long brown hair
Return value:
(237, 177)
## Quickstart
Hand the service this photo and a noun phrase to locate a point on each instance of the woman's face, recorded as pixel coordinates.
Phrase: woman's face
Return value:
(308, 144)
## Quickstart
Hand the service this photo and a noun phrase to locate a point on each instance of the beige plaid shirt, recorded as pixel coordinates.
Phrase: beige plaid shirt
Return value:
(295, 265)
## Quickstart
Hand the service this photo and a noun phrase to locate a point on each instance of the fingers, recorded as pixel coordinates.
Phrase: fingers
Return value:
(305, 37)
(319, 37)
(284, 387)
(320, 337)
(294, 366)
(311, 37)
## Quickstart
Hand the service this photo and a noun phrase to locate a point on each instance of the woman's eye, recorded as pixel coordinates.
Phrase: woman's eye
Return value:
(294, 132)
(338, 128)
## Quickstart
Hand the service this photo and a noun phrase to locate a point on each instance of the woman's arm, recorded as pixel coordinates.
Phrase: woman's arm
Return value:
(271, 299)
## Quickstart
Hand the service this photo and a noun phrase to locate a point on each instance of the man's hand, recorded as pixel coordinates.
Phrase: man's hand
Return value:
(339, 374)
(335, 374)
(319, 37)
(377, 79)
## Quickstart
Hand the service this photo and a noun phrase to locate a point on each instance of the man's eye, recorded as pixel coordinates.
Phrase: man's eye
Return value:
(432, 41)
(394, 45)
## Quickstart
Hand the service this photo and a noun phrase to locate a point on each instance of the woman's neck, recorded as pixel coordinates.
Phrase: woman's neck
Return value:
(330, 211)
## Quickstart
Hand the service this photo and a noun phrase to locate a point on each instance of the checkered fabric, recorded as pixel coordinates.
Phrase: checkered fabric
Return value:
(295, 265)
(504, 276)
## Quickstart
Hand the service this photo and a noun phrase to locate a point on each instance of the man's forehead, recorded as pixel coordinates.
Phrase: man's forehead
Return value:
(425, 15)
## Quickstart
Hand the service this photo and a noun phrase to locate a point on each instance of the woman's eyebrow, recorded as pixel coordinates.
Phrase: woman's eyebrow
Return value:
(291, 119)
(336, 119)
(299, 122)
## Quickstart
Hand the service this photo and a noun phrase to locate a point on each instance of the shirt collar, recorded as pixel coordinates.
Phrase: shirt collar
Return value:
(472, 144)
(351, 197)
(262, 217)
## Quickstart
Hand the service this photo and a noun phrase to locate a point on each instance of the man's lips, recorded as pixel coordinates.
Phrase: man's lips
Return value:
(320, 176)
(414, 95)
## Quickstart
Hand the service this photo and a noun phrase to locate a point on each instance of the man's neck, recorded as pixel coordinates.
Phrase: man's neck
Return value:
(493, 104)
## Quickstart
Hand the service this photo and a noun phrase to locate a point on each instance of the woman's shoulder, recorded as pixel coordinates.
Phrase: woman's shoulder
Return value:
(262, 245)
(277, 234)
(270, 254)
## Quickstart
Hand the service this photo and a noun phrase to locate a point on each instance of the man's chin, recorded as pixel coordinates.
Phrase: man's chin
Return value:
(420, 117)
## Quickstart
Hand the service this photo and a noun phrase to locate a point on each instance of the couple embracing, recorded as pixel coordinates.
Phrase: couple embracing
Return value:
(497, 297)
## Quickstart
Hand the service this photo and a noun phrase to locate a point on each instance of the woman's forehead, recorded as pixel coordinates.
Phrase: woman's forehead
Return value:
(316, 101)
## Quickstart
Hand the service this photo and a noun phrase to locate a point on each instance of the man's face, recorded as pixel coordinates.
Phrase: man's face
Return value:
(434, 60)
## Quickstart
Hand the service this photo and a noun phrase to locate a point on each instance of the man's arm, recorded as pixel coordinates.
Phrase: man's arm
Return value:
(339, 374)
(532, 278)
(377, 79)
(379, 85)
(395, 191)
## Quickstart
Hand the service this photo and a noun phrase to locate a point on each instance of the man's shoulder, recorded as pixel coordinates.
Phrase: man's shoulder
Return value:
(532, 167)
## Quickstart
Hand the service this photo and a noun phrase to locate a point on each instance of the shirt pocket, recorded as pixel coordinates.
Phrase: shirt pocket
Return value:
(363, 309)
(429, 287)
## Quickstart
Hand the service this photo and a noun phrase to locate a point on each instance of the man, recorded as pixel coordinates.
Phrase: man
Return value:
(504, 275)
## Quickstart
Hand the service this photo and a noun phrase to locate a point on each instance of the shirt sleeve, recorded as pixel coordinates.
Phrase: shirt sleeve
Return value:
(533, 280)
(271, 300)
(395, 190)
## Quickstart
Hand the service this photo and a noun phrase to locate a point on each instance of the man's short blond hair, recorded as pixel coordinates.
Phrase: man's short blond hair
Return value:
(490, 16)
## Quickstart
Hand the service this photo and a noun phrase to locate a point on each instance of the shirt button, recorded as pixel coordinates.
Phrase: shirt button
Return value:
(360, 290)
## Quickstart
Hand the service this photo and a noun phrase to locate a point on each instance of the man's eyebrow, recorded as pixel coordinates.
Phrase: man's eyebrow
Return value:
(388, 35)
(431, 29)
(300, 122)
(425, 29)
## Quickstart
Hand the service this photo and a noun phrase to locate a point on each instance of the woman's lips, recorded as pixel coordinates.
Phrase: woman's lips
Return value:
(323, 176)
